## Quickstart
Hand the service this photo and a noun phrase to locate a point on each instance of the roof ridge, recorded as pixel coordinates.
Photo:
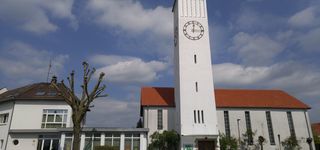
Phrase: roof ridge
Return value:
(239, 89)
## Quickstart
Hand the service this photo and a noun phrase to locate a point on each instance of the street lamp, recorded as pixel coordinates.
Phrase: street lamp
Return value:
(238, 131)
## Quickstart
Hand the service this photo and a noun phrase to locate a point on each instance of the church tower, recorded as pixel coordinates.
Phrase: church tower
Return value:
(194, 92)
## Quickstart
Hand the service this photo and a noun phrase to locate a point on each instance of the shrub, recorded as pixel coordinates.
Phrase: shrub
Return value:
(291, 143)
(167, 140)
(227, 142)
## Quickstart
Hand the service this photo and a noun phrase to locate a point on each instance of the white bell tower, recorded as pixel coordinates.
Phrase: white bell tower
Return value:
(194, 91)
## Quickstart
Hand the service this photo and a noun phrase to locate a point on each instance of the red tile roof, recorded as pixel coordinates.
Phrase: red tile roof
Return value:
(227, 98)
(316, 128)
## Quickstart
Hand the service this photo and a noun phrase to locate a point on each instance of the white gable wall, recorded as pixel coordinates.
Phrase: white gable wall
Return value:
(151, 119)
(28, 114)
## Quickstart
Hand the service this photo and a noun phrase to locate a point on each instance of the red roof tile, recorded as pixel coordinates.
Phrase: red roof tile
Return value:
(316, 128)
(231, 98)
(157, 96)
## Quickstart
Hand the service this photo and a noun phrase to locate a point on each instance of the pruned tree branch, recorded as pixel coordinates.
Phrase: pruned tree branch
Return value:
(80, 106)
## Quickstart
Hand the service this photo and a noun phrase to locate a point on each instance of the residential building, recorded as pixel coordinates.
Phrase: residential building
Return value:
(36, 117)
(273, 114)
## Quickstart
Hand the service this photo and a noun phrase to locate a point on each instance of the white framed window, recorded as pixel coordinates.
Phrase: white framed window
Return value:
(54, 118)
(48, 142)
(132, 142)
(92, 140)
(68, 142)
(4, 118)
(112, 139)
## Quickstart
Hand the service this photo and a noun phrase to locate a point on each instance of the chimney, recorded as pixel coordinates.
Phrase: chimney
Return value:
(54, 79)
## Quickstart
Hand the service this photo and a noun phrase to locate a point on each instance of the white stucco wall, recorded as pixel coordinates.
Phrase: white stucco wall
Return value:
(151, 122)
(26, 142)
(28, 114)
(258, 123)
(193, 74)
(5, 107)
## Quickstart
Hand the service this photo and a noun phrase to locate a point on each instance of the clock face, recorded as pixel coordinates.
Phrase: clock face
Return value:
(176, 36)
(193, 30)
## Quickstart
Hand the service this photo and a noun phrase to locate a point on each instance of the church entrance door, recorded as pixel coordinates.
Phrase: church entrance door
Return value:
(206, 145)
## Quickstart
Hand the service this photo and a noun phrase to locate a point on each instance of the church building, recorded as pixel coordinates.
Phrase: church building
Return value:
(199, 113)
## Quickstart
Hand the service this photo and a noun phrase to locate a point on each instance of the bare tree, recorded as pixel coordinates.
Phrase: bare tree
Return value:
(80, 106)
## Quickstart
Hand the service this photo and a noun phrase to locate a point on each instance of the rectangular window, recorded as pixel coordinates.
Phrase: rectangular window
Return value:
(1, 143)
(54, 118)
(198, 116)
(195, 116)
(68, 143)
(291, 126)
(226, 123)
(160, 119)
(4, 118)
(112, 140)
(92, 140)
(249, 129)
(48, 142)
(196, 86)
(132, 142)
(202, 117)
(195, 58)
(270, 128)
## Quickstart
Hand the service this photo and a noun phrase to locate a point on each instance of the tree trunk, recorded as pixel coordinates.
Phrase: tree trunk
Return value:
(76, 136)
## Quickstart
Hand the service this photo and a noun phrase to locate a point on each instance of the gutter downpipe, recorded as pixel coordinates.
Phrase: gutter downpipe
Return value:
(305, 116)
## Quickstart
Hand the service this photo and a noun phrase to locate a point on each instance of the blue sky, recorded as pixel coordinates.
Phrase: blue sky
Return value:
(260, 44)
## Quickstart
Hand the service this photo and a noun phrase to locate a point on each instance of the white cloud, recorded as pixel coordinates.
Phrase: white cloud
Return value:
(131, 16)
(112, 112)
(24, 64)
(250, 20)
(310, 41)
(33, 15)
(235, 74)
(306, 18)
(290, 76)
(124, 69)
(257, 49)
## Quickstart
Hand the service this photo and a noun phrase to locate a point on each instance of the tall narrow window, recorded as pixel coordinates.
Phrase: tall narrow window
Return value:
(195, 58)
(226, 123)
(195, 116)
(291, 126)
(270, 128)
(198, 116)
(202, 117)
(160, 119)
(196, 86)
(249, 129)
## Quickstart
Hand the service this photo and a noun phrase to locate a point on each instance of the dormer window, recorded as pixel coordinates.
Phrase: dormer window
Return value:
(52, 93)
(40, 93)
